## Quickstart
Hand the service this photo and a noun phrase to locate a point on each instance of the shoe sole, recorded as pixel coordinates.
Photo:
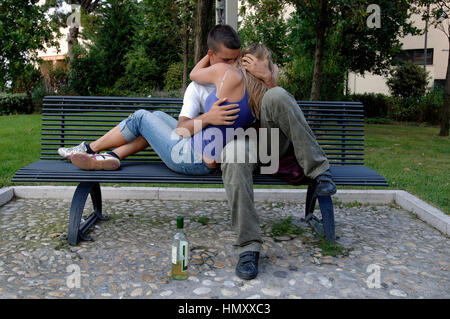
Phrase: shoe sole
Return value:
(246, 277)
(86, 162)
(64, 156)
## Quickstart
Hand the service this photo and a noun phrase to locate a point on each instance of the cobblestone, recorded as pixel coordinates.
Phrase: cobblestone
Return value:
(388, 253)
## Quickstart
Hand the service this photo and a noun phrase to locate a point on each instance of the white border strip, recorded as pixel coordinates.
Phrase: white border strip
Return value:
(423, 210)
(6, 194)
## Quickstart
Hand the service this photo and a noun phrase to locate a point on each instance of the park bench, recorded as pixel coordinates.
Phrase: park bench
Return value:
(69, 120)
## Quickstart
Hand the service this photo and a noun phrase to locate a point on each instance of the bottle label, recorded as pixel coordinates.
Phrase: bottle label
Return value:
(184, 254)
(174, 254)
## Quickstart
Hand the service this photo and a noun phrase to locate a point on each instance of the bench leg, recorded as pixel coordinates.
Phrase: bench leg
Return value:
(326, 208)
(77, 230)
(324, 227)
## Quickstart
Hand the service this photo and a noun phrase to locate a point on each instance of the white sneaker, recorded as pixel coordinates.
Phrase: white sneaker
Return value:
(68, 152)
(95, 162)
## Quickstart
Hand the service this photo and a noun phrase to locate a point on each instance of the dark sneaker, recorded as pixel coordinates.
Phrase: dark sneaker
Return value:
(68, 152)
(96, 162)
(247, 266)
(325, 185)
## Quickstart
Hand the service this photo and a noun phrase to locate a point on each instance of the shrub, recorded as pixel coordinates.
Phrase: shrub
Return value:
(408, 80)
(423, 109)
(375, 105)
(15, 103)
(431, 105)
(141, 72)
(296, 77)
(405, 109)
(26, 79)
(173, 79)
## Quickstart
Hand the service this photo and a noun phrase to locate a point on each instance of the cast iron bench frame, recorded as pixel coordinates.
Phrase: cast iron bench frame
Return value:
(69, 120)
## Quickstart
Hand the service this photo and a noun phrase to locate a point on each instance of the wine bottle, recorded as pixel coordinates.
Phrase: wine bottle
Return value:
(180, 249)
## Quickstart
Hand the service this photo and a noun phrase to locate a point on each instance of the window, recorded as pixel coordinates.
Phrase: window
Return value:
(416, 56)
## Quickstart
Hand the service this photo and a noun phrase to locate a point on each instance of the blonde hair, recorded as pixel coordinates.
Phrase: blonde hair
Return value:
(256, 88)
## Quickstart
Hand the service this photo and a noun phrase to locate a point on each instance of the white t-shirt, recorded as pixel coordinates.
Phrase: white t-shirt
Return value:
(194, 99)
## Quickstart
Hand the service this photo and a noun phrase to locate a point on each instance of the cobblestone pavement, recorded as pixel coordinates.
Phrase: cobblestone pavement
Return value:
(386, 253)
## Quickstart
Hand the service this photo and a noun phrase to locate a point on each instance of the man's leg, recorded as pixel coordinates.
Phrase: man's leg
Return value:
(280, 110)
(238, 182)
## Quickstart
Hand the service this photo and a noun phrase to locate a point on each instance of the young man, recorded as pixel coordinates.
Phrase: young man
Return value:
(279, 110)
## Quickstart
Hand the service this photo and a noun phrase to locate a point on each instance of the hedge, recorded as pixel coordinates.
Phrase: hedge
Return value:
(423, 109)
(15, 104)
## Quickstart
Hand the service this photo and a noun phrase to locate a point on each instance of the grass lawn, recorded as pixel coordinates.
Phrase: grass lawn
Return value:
(411, 157)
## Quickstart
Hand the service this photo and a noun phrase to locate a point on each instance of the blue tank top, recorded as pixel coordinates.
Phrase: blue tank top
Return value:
(210, 132)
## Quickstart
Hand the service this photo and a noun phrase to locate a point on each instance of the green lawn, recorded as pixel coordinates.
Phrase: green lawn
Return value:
(412, 158)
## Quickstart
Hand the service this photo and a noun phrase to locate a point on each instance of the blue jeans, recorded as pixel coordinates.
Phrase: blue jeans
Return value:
(158, 128)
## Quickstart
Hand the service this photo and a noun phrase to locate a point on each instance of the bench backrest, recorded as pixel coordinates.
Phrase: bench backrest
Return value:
(69, 120)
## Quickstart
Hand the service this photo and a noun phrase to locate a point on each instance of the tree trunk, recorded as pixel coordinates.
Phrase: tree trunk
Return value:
(203, 23)
(72, 36)
(445, 112)
(318, 54)
(72, 39)
(185, 55)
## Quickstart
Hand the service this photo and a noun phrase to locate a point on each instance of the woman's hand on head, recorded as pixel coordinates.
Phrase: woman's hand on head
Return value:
(259, 68)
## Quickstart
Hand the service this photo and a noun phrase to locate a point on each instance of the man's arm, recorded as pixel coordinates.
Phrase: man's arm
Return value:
(260, 69)
(217, 115)
(203, 72)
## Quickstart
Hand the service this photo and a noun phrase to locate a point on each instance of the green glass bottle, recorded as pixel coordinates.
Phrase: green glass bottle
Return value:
(180, 249)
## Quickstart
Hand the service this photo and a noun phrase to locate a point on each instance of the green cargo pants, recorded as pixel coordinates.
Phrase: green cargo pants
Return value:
(279, 110)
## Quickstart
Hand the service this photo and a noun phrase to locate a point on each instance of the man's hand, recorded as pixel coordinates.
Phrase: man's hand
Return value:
(260, 69)
(222, 115)
(217, 115)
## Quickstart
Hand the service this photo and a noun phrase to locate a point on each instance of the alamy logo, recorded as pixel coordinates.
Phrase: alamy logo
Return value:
(374, 20)
(374, 279)
(74, 20)
(74, 279)
(249, 146)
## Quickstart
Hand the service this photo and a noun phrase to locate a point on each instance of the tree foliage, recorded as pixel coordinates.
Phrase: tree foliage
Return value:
(110, 34)
(329, 30)
(408, 80)
(263, 22)
(24, 29)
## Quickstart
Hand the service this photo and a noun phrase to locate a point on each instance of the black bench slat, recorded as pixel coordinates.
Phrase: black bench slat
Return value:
(133, 172)
(68, 121)
(79, 125)
(106, 98)
(81, 110)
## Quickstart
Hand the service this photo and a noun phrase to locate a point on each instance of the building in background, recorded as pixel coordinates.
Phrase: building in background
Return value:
(413, 49)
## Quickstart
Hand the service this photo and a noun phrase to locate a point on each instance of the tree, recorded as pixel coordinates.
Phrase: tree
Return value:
(263, 22)
(204, 21)
(24, 29)
(68, 19)
(365, 48)
(439, 16)
(185, 15)
(110, 33)
(334, 30)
